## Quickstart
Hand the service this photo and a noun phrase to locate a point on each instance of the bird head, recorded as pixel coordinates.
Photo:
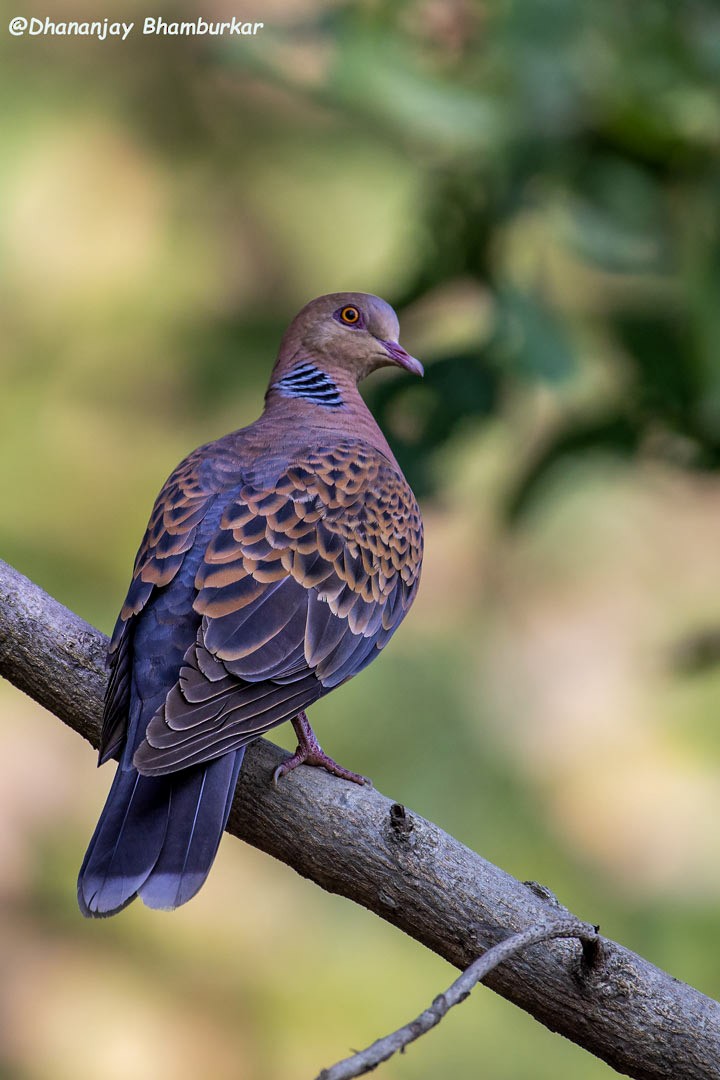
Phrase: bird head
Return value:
(354, 333)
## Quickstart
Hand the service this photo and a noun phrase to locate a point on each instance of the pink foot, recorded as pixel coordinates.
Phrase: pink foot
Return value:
(309, 752)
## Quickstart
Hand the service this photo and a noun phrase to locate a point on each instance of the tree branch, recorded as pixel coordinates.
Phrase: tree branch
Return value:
(355, 842)
(364, 1061)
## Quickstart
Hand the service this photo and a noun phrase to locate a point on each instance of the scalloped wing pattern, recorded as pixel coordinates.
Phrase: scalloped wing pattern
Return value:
(181, 506)
(304, 582)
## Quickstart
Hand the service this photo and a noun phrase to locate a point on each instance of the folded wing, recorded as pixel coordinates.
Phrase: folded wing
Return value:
(305, 580)
(180, 509)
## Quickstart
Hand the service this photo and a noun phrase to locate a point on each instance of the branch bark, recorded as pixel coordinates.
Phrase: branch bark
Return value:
(355, 842)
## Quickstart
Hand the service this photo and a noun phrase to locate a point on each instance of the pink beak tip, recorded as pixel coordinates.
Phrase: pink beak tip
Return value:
(398, 355)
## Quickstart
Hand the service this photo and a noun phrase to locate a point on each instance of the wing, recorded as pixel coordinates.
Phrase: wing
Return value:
(179, 509)
(304, 582)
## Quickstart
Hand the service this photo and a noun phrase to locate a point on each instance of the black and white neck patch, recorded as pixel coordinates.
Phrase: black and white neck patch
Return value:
(311, 384)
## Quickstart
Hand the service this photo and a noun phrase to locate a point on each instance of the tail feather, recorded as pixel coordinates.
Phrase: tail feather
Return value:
(199, 809)
(125, 845)
(157, 837)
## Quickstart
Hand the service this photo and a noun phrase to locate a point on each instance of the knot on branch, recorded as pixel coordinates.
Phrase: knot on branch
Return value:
(401, 823)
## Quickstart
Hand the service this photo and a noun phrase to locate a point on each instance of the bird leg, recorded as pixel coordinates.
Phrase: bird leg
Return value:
(310, 752)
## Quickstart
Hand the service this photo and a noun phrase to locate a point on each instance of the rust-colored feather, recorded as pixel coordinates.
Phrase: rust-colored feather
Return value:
(306, 578)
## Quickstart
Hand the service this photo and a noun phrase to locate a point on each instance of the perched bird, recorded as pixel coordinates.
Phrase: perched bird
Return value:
(277, 563)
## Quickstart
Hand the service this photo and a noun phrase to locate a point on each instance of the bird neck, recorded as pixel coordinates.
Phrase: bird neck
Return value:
(321, 399)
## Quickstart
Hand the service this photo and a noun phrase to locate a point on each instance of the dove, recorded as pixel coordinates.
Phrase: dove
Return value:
(278, 562)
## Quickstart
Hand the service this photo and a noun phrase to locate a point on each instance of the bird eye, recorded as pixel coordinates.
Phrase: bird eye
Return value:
(350, 315)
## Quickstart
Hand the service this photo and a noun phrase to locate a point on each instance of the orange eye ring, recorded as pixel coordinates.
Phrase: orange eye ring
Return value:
(350, 315)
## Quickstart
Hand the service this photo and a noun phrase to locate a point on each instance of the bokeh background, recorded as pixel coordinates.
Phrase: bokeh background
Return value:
(536, 187)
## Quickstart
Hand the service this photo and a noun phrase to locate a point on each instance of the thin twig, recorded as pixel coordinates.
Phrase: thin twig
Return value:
(364, 1061)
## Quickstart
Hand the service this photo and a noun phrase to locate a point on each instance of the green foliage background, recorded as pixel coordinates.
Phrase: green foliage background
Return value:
(535, 186)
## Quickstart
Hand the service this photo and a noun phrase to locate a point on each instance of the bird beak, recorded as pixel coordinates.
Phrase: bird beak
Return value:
(403, 359)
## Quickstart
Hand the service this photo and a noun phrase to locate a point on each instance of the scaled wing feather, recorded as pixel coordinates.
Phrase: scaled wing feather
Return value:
(303, 582)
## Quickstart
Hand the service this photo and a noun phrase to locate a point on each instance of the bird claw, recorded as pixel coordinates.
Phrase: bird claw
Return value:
(309, 752)
(320, 760)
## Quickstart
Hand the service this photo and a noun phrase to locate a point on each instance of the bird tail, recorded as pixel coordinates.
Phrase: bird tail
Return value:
(157, 837)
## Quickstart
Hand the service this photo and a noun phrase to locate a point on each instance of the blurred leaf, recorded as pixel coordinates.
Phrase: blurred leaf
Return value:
(616, 216)
(696, 653)
(224, 357)
(419, 419)
(616, 435)
(666, 383)
(455, 230)
(529, 340)
(379, 75)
